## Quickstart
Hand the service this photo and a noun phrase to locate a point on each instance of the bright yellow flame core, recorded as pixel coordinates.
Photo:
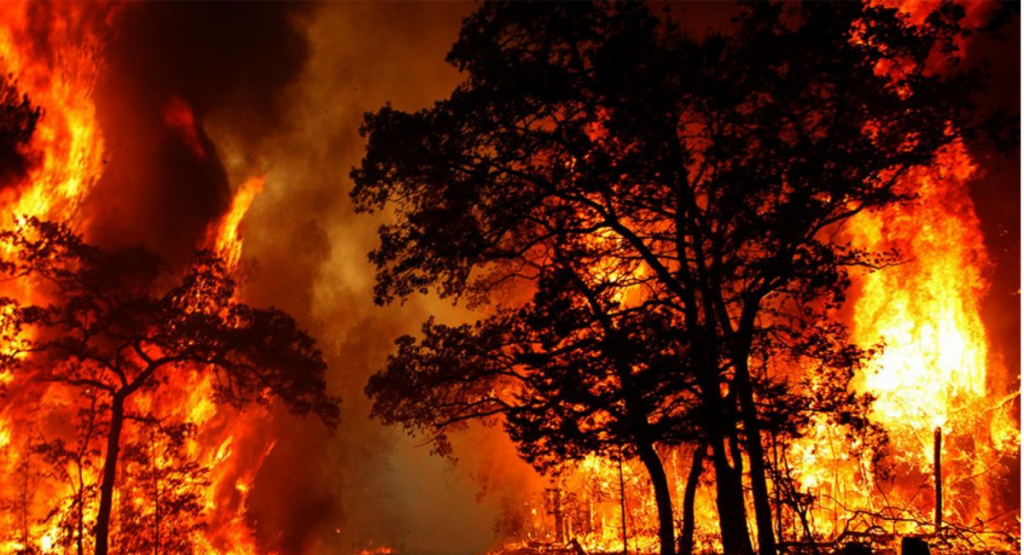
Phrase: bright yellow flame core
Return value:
(933, 372)
(227, 235)
(927, 310)
(67, 138)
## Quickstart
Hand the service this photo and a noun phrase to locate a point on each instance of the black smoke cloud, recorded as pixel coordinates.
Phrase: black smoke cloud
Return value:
(228, 58)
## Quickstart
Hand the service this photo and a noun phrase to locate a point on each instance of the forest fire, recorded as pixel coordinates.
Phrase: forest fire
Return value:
(65, 159)
(189, 463)
(67, 143)
(794, 372)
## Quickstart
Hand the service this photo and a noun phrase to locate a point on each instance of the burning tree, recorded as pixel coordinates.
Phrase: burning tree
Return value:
(658, 218)
(116, 326)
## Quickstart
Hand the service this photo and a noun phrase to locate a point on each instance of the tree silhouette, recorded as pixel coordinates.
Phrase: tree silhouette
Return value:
(572, 373)
(118, 322)
(648, 210)
(18, 120)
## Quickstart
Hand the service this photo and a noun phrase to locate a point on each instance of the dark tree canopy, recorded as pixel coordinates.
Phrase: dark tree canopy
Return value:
(647, 211)
(115, 323)
(114, 319)
(552, 372)
(18, 119)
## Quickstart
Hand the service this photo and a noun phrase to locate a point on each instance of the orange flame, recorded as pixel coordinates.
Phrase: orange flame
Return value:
(926, 310)
(226, 236)
(66, 152)
(66, 159)
(935, 369)
(60, 80)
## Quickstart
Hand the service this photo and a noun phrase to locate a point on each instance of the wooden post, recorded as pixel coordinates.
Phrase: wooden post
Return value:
(938, 479)
(559, 517)
(622, 507)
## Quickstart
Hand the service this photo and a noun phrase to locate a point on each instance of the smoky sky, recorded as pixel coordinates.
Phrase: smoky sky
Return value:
(158, 190)
(279, 90)
(997, 192)
(366, 485)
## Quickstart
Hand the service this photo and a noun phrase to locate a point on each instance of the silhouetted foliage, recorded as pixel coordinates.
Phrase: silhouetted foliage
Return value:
(18, 119)
(650, 212)
(117, 322)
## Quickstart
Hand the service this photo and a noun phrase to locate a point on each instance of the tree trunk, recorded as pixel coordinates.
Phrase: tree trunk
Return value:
(25, 498)
(556, 510)
(662, 497)
(755, 452)
(80, 513)
(719, 421)
(689, 496)
(156, 498)
(622, 508)
(732, 515)
(109, 473)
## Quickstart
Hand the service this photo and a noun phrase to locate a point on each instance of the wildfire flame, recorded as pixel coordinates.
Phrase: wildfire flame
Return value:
(928, 309)
(936, 369)
(226, 237)
(66, 160)
(60, 79)
(65, 155)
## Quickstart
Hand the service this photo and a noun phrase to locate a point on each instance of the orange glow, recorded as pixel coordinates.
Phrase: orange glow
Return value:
(227, 447)
(179, 117)
(937, 368)
(226, 237)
